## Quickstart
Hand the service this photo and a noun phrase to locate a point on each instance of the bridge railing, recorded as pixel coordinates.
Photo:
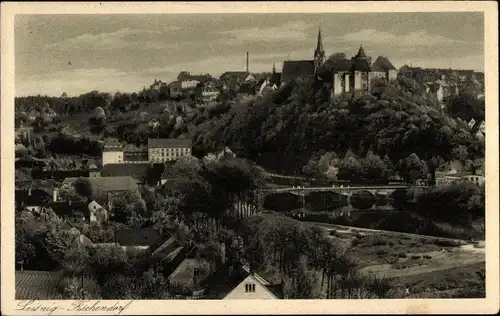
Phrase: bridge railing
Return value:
(331, 188)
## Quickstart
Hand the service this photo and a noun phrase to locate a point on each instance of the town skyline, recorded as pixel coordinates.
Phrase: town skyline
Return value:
(124, 53)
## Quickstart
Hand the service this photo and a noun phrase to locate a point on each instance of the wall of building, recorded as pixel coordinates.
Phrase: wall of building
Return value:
(260, 291)
(112, 157)
(479, 180)
(135, 156)
(175, 89)
(347, 82)
(357, 80)
(378, 74)
(337, 84)
(393, 75)
(189, 84)
(365, 81)
(209, 95)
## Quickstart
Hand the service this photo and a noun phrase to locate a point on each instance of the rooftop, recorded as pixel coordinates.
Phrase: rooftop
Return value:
(382, 64)
(239, 274)
(184, 273)
(138, 237)
(37, 285)
(297, 69)
(107, 184)
(138, 171)
(169, 247)
(236, 74)
(361, 52)
(169, 143)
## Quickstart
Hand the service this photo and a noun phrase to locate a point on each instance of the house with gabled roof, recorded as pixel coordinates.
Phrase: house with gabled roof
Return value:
(269, 83)
(141, 172)
(383, 68)
(237, 281)
(103, 186)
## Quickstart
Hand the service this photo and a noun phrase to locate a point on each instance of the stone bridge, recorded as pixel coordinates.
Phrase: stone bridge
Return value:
(328, 198)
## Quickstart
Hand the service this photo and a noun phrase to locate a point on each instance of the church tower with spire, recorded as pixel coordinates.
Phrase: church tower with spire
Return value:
(319, 53)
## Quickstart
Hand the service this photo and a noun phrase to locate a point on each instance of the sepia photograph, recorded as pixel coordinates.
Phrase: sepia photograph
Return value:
(248, 156)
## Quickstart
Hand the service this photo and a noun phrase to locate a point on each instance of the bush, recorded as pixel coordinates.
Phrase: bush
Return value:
(448, 243)
(392, 259)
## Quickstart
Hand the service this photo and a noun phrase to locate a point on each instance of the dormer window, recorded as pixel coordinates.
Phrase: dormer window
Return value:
(249, 288)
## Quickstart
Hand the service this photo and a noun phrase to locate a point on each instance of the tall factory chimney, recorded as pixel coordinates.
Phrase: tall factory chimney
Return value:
(247, 61)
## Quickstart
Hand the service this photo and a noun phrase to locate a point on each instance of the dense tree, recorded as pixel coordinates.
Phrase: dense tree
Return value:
(466, 105)
(282, 132)
(412, 168)
(130, 209)
(459, 203)
(304, 283)
(107, 262)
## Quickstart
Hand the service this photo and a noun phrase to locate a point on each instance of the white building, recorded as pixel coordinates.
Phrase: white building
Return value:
(164, 149)
(189, 84)
(253, 287)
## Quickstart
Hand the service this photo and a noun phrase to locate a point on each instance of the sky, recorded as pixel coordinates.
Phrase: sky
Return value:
(76, 54)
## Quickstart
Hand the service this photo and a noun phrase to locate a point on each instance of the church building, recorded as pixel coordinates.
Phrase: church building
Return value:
(343, 75)
(303, 69)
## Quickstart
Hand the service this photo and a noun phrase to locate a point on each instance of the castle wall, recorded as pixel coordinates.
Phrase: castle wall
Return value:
(357, 80)
(337, 84)
(347, 83)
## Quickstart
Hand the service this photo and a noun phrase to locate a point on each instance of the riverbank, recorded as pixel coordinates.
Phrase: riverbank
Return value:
(417, 266)
(396, 221)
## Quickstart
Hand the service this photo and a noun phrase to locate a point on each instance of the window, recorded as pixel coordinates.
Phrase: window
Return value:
(249, 288)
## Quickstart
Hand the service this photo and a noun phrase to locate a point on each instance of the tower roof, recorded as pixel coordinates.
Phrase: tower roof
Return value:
(319, 45)
(361, 52)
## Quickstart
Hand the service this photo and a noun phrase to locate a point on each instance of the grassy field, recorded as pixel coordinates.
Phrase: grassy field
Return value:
(429, 267)
(450, 283)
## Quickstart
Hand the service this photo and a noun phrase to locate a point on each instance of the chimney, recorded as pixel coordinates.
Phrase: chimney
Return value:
(247, 61)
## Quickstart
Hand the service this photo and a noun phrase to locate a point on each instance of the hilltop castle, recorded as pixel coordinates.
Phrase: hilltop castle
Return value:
(344, 75)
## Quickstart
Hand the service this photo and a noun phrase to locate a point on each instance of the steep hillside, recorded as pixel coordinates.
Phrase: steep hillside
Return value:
(283, 130)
